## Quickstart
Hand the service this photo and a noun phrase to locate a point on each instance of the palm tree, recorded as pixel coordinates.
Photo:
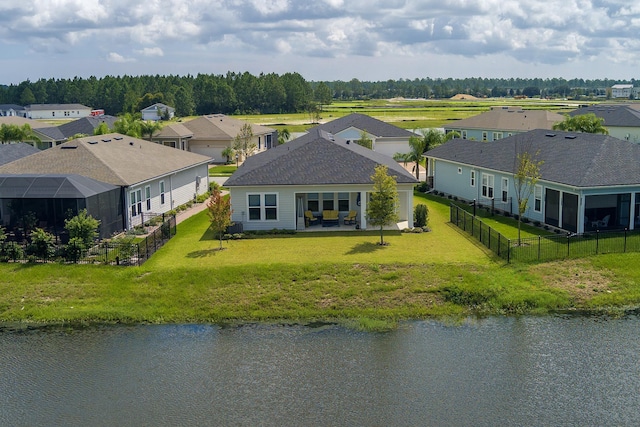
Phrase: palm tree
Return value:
(148, 127)
(416, 148)
(283, 136)
(15, 133)
(127, 125)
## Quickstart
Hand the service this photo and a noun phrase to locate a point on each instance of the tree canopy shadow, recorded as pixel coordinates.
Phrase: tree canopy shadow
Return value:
(204, 253)
(365, 248)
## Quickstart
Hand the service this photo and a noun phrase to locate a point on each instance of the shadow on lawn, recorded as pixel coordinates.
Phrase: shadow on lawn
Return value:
(365, 248)
(203, 253)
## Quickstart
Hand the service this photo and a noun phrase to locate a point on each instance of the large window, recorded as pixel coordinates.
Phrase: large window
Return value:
(147, 196)
(343, 202)
(473, 178)
(327, 201)
(464, 134)
(162, 192)
(537, 198)
(312, 202)
(487, 185)
(484, 135)
(136, 202)
(263, 207)
(505, 189)
(497, 136)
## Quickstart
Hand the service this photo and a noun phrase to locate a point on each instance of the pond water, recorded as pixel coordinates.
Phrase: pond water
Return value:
(487, 372)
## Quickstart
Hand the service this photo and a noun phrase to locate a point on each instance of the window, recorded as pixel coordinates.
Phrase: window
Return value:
(327, 201)
(343, 202)
(464, 134)
(484, 136)
(497, 136)
(487, 186)
(162, 192)
(263, 207)
(136, 202)
(473, 178)
(312, 202)
(537, 198)
(505, 189)
(147, 196)
(459, 171)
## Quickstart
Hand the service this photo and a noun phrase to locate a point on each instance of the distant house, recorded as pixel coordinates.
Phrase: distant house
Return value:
(157, 112)
(318, 172)
(621, 120)
(211, 134)
(48, 135)
(152, 179)
(624, 91)
(501, 122)
(57, 111)
(588, 181)
(175, 135)
(386, 138)
(12, 110)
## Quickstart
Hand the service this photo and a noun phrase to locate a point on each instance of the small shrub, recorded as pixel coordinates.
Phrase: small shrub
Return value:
(525, 220)
(536, 223)
(417, 230)
(420, 215)
(423, 187)
(42, 245)
(449, 197)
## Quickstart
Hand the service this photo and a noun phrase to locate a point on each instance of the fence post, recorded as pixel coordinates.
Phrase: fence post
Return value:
(499, 243)
(480, 236)
(568, 240)
(508, 251)
(539, 245)
(625, 240)
(597, 240)
(489, 245)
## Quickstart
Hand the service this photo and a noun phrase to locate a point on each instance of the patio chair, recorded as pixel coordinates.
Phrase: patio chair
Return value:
(309, 218)
(350, 218)
(604, 222)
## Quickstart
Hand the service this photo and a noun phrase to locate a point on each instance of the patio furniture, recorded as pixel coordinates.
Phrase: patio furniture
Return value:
(604, 222)
(350, 218)
(330, 217)
(309, 218)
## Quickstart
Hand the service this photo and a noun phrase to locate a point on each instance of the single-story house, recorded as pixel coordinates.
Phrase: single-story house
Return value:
(86, 125)
(588, 181)
(621, 120)
(153, 179)
(57, 111)
(11, 152)
(157, 112)
(318, 172)
(502, 122)
(12, 110)
(47, 135)
(175, 135)
(386, 138)
(215, 132)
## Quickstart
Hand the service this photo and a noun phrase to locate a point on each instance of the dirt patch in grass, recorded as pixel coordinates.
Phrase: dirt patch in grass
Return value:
(578, 277)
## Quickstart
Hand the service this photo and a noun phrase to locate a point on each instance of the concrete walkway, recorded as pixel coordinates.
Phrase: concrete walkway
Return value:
(193, 210)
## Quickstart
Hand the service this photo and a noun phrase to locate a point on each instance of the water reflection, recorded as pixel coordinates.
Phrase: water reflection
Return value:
(496, 371)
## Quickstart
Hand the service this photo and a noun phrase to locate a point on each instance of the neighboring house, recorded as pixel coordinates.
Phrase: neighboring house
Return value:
(588, 181)
(502, 122)
(12, 110)
(11, 152)
(175, 135)
(47, 134)
(86, 125)
(57, 111)
(621, 120)
(317, 172)
(624, 91)
(152, 179)
(157, 112)
(215, 132)
(386, 138)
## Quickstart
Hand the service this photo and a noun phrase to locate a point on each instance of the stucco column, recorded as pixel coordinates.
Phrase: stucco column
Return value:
(363, 210)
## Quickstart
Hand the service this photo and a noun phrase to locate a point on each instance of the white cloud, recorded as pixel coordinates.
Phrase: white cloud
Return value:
(151, 51)
(116, 57)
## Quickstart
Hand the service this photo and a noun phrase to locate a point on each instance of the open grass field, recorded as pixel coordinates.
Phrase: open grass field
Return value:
(317, 276)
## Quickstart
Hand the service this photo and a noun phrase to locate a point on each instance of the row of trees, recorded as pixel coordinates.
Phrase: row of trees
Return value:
(272, 93)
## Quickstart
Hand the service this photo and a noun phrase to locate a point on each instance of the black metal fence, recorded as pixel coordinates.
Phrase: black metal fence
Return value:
(128, 250)
(545, 248)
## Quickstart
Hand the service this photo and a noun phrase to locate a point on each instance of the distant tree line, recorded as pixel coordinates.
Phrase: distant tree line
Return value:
(244, 93)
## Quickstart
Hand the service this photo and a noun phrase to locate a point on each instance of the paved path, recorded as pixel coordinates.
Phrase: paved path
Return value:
(195, 209)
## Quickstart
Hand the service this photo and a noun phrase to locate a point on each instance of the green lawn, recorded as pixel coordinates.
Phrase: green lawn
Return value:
(222, 170)
(337, 276)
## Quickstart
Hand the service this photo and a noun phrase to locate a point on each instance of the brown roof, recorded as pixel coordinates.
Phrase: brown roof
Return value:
(220, 127)
(19, 121)
(174, 130)
(113, 158)
(509, 118)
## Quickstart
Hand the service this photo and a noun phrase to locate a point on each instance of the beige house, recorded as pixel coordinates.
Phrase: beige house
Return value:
(211, 134)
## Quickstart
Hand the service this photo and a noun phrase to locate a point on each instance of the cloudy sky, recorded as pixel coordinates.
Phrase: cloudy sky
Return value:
(321, 39)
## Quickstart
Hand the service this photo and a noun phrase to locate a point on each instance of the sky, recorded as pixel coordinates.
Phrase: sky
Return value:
(370, 40)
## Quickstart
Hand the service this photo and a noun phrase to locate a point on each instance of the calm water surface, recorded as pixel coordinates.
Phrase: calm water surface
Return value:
(497, 371)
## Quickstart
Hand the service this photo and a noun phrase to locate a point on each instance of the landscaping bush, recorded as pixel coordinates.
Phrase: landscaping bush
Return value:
(42, 245)
(420, 215)
(423, 187)
(11, 251)
(74, 250)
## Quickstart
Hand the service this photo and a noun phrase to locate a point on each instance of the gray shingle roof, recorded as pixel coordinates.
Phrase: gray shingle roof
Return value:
(112, 158)
(86, 125)
(613, 115)
(11, 152)
(47, 107)
(317, 158)
(50, 186)
(576, 159)
(367, 123)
